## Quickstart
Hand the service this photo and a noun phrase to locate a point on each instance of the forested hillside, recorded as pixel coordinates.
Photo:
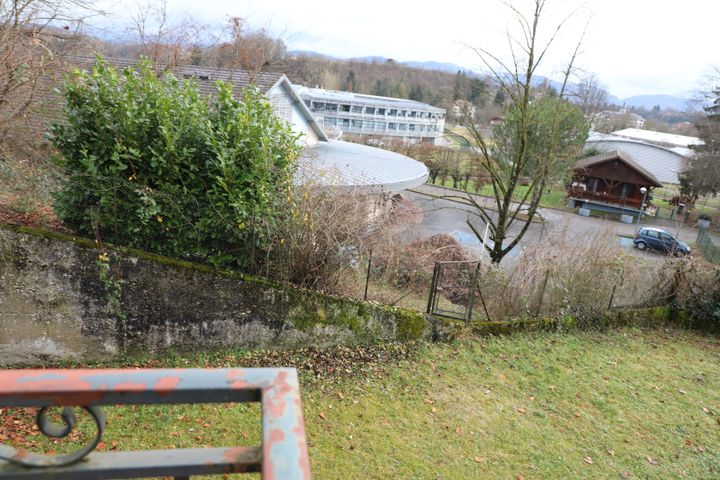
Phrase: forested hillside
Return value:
(389, 78)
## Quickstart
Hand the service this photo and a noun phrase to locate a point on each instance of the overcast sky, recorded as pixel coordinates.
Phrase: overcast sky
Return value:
(633, 46)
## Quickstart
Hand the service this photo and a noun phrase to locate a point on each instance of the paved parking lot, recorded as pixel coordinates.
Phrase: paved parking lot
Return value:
(450, 217)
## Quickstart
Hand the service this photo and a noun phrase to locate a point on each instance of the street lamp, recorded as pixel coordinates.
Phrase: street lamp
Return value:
(644, 191)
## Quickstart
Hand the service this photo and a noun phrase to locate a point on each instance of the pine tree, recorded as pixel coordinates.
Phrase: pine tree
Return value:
(702, 176)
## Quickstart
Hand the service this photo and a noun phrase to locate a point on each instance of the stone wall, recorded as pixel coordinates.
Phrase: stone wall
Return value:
(54, 304)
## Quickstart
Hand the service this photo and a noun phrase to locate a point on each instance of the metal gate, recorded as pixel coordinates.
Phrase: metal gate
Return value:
(452, 291)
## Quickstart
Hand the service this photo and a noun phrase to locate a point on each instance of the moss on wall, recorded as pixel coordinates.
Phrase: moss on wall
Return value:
(446, 328)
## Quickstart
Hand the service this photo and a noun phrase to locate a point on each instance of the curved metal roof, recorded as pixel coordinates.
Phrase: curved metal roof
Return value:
(351, 165)
(663, 163)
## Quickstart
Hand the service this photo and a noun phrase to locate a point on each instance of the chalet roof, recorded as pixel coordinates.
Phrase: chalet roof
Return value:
(585, 163)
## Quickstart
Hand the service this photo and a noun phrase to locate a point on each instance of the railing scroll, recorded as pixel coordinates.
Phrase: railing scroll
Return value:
(283, 454)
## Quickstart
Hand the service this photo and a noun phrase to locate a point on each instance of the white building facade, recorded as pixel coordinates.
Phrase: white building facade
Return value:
(358, 114)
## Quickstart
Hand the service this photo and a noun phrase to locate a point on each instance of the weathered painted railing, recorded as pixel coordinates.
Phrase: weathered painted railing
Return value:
(283, 454)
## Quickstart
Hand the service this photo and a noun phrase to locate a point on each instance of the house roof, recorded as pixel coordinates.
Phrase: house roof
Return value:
(204, 76)
(588, 162)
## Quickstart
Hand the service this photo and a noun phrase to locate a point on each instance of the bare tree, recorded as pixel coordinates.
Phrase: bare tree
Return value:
(163, 40)
(535, 141)
(591, 96)
(31, 32)
(254, 51)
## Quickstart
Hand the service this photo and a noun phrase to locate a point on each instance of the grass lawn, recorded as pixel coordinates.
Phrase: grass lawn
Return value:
(553, 197)
(625, 404)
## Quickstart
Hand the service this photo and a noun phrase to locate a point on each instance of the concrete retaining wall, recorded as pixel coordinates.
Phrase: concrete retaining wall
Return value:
(54, 305)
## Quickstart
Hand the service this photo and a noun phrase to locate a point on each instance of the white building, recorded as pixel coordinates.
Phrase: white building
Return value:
(359, 114)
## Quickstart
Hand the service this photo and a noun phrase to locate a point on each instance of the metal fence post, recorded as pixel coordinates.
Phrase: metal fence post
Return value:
(367, 277)
(612, 296)
(542, 294)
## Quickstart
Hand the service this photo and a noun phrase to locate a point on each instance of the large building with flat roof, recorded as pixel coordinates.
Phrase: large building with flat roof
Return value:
(359, 114)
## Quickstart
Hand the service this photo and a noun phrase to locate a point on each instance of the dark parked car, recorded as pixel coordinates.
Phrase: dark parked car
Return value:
(660, 240)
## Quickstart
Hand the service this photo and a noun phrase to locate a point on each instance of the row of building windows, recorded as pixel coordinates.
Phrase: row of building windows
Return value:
(377, 125)
(390, 112)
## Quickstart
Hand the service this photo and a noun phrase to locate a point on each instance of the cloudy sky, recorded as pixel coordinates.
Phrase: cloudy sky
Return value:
(633, 46)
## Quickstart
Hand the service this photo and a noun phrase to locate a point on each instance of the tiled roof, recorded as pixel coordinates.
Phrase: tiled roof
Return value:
(204, 76)
(48, 104)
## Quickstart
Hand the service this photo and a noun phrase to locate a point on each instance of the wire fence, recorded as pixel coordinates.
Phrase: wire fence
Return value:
(707, 247)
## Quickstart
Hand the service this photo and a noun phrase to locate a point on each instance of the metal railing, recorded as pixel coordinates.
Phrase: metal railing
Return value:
(283, 454)
(626, 202)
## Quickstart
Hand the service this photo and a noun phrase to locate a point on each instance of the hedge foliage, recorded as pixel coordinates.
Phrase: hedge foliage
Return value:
(154, 165)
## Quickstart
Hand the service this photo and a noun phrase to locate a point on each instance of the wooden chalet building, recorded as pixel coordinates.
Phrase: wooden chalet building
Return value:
(610, 182)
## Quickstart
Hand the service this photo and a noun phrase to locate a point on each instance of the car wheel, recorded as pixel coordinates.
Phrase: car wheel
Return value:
(641, 245)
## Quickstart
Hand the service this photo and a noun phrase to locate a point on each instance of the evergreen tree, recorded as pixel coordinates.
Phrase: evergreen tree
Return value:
(350, 81)
(416, 93)
(499, 99)
(478, 89)
(702, 176)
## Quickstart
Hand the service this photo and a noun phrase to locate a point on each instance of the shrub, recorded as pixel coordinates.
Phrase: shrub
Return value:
(694, 291)
(152, 164)
(322, 232)
(411, 267)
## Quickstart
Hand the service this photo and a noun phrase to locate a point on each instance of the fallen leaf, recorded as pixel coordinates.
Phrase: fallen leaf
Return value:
(322, 415)
(625, 474)
(521, 410)
(611, 453)
(479, 459)
(651, 460)
(683, 392)
(433, 410)
(707, 410)
(588, 460)
(458, 430)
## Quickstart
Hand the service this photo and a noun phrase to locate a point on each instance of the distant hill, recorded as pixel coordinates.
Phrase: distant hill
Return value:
(441, 66)
(664, 101)
(639, 101)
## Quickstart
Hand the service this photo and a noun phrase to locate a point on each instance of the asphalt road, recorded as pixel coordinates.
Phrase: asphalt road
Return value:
(450, 217)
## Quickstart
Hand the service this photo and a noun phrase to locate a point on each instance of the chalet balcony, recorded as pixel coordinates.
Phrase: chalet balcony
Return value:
(603, 197)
